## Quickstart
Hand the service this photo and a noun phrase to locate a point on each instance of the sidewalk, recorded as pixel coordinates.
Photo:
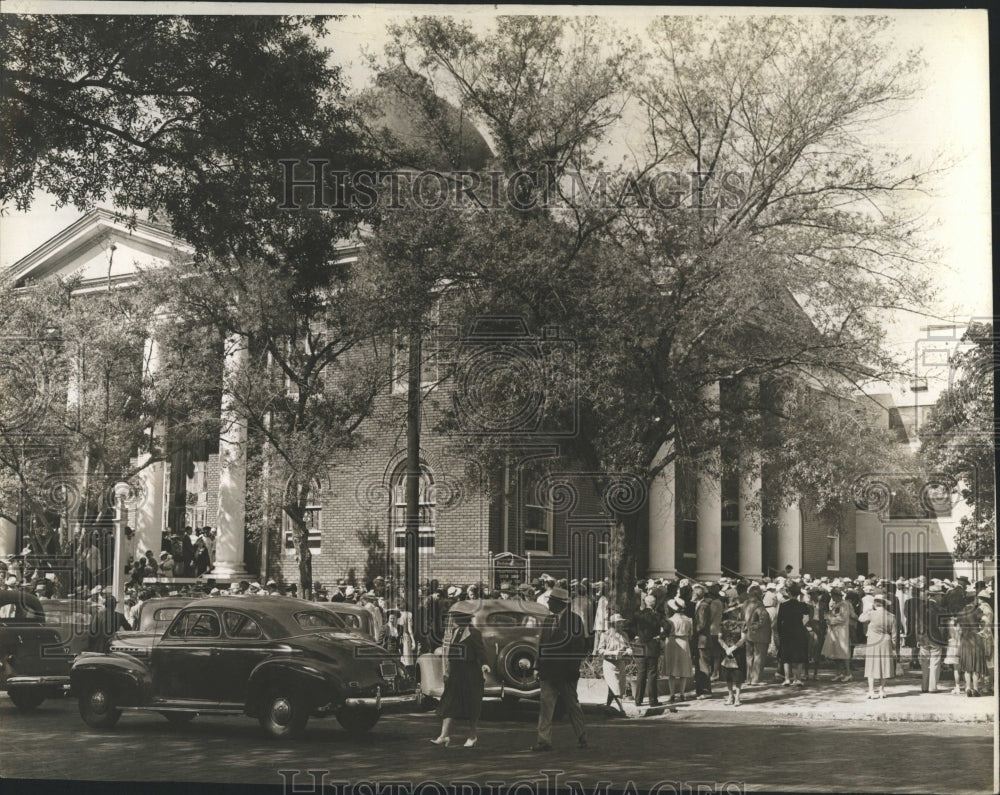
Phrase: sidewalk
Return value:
(820, 700)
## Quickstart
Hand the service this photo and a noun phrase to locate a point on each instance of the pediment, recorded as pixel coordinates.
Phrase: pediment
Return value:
(99, 251)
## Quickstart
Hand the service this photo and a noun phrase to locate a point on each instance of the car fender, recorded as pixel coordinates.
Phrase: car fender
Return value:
(129, 677)
(317, 682)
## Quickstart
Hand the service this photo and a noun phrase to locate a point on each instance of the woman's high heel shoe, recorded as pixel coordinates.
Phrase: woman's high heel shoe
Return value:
(471, 742)
(445, 741)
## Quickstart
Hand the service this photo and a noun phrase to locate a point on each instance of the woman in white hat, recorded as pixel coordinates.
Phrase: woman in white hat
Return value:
(613, 649)
(678, 666)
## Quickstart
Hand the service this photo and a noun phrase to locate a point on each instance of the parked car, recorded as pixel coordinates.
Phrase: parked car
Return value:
(155, 616)
(280, 660)
(354, 617)
(35, 661)
(71, 618)
(511, 629)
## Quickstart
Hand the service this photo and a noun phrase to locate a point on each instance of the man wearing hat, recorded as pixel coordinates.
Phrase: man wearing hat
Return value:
(929, 636)
(649, 638)
(561, 649)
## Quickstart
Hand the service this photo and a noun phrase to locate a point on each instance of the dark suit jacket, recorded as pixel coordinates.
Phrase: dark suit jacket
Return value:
(562, 647)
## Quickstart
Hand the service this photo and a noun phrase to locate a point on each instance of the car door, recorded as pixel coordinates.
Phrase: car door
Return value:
(181, 660)
(243, 646)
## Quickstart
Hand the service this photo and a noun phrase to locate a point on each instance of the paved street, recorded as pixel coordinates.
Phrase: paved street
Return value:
(765, 753)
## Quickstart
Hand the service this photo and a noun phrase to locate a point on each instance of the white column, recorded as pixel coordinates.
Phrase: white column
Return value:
(790, 538)
(149, 512)
(662, 544)
(8, 538)
(751, 563)
(232, 468)
(709, 491)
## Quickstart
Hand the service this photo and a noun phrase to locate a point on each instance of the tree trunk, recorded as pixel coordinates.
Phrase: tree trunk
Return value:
(295, 509)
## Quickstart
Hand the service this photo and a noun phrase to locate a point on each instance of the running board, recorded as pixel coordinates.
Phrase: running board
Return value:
(202, 710)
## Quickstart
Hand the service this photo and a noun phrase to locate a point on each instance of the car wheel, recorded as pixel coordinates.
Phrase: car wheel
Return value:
(359, 719)
(283, 714)
(26, 698)
(179, 718)
(98, 707)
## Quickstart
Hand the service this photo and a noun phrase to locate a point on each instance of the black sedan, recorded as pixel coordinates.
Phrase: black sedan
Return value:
(279, 660)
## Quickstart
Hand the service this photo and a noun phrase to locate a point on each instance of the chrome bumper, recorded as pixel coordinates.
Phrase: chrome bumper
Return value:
(38, 681)
(380, 702)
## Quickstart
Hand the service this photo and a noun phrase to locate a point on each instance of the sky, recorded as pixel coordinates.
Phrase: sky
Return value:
(950, 119)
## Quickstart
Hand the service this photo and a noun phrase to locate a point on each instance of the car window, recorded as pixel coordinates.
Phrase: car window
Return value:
(511, 619)
(196, 625)
(150, 619)
(239, 625)
(326, 620)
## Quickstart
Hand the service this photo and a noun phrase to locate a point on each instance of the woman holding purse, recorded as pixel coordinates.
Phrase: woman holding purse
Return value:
(465, 665)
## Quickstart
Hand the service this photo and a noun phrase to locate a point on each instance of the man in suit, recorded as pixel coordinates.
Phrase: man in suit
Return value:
(931, 636)
(561, 648)
(649, 634)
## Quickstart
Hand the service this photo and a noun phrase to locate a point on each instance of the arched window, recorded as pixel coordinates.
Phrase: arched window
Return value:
(427, 509)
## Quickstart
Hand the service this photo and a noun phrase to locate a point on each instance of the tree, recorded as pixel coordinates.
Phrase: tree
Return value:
(773, 263)
(187, 119)
(958, 439)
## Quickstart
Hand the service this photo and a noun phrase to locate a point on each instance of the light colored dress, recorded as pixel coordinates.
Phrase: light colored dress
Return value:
(880, 652)
(837, 645)
(677, 648)
(406, 643)
(613, 648)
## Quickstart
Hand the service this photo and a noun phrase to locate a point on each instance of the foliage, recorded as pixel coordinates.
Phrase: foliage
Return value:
(785, 287)
(958, 439)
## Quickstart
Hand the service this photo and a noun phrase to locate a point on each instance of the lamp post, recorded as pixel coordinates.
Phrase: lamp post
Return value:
(122, 491)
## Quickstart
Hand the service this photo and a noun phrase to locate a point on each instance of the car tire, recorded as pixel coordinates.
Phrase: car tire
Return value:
(283, 714)
(98, 706)
(26, 699)
(358, 720)
(179, 718)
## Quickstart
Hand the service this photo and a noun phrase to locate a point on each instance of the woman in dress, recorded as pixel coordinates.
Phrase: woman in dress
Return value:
(971, 649)
(837, 645)
(677, 665)
(880, 652)
(793, 635)
(465, 665)
(985, 599)
(954, 603)
(817, 628)
(732, 640)
(407, 640)
(614, 648)
(758, 622)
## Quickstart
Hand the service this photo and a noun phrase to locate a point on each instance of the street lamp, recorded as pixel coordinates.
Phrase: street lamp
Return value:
(122, 491)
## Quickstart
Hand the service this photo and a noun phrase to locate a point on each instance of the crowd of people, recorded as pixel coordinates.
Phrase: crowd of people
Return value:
(727, 631)
(678, 630)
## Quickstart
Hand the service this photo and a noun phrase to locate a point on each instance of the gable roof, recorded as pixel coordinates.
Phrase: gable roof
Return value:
(100, 250)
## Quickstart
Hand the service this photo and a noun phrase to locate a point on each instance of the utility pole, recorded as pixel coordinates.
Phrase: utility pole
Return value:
(413, 398)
